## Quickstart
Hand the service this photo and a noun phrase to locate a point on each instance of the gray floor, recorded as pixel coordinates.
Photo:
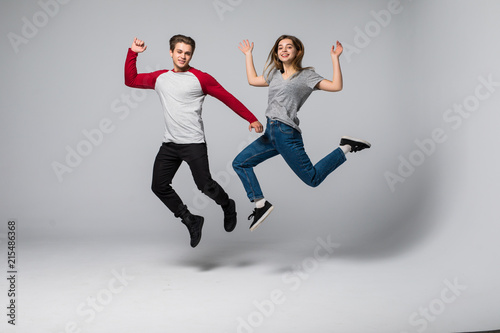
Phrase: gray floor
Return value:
(230, 285)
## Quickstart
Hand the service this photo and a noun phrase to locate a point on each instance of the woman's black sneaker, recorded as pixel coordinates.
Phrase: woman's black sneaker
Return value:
(260, 214)
(356, 144)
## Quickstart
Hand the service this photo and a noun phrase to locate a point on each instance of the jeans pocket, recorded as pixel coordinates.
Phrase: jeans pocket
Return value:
(285, 129)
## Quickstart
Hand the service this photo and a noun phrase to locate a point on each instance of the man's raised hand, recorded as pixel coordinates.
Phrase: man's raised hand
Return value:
(138, 46)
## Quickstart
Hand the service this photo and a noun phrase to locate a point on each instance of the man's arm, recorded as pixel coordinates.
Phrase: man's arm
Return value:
(213, 88)
(132, 79)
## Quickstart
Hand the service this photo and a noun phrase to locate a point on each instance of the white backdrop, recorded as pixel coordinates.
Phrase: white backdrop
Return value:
(421, 81)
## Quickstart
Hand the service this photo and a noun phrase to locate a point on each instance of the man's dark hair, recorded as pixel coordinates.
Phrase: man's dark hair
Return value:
(181, 39)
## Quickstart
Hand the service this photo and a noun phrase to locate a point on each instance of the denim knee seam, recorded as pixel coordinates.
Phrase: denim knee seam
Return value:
(243, 168)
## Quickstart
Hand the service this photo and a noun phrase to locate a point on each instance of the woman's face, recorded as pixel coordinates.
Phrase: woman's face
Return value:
(286, 51)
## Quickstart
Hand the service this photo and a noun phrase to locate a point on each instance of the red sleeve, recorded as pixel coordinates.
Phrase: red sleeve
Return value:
(213, 88)
(134, 80)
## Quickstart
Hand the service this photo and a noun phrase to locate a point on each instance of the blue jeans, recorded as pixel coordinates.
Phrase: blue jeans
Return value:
(286, 141)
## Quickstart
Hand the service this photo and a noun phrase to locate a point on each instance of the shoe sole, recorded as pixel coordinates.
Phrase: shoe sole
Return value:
(357, 140)
(266, 214)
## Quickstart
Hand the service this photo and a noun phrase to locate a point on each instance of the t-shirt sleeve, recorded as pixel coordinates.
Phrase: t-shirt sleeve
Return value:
(269, 76)
(312, 78)
(211, 87)
(134, 80)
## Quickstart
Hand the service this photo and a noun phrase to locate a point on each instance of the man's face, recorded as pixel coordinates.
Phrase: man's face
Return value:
(181, 55)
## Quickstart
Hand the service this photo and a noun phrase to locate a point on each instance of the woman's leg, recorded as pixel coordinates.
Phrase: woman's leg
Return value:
(255, 153)
(290, 145)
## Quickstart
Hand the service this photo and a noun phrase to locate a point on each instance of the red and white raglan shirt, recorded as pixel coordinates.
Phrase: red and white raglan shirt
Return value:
(182, 95)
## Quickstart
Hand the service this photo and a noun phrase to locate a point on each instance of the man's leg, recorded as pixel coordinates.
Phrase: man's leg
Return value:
(166, 165)
(196, 156)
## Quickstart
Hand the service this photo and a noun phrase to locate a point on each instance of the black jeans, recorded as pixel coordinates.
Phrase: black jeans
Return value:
(168, 161)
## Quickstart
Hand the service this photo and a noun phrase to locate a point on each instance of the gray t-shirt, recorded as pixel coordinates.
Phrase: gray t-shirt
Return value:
(286, 97)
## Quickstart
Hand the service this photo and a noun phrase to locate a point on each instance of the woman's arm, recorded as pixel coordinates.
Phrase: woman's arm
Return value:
(336, 83)
(253, 79)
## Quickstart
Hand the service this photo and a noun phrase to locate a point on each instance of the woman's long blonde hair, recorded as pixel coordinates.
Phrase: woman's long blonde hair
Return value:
(273, 61)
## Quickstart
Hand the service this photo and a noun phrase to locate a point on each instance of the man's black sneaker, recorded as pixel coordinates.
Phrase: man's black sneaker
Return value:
(229, 216)
(194, 223)
(356, 144)
(260, 214)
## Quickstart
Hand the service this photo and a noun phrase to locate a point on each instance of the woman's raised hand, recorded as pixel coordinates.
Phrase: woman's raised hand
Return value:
(337, 51)
(246, 47)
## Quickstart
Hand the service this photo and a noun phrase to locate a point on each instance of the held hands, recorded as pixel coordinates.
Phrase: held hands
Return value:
(337, 51)
(138, 46)
(257, 126)
(246, 47)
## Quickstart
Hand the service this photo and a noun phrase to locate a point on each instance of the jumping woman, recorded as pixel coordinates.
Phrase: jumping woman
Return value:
(290, 85)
